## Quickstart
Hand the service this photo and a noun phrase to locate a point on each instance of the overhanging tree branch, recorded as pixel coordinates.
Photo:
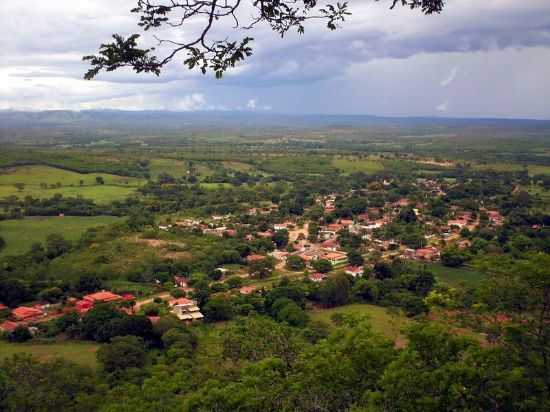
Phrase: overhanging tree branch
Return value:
(218, 55)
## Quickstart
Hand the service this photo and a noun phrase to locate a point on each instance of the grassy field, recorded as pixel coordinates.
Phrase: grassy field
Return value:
(514, 167)
(20, 234)
(384, 322)
(45, 182)
(176, 168)
(357, 165)
(455, 276)
(82, 353)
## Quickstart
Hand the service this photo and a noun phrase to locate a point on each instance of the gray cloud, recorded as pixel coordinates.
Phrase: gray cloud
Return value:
(471, 60)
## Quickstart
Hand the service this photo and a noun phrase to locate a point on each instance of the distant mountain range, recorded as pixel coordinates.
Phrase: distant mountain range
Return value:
(166, 120)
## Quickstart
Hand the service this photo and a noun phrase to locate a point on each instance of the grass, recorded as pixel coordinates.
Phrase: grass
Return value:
(383, 321)
(45, 182)
(456, 276)
(82, 353)
(21, 233)
(348, 166)
(176, 168)
(513, 167)
(137, 289)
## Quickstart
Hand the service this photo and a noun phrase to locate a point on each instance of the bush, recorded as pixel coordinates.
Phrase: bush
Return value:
(20, 334)
(295, 263)
(122, 353)
(234, 282)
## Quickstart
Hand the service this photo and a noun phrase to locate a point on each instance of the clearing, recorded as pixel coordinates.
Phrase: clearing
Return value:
(82, 353)
(19, 234)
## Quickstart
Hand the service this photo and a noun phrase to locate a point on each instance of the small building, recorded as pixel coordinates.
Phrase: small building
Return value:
(254, 258)
(317, 277)
(354, 271)
(103, 297)
(427, 254)
(247, 290)
(8, 326)
(3, 307)
(336, 258)
(186, 309)
(83, 306)
(264, 235)
(180, 282)
(330, 244)
(23, 313)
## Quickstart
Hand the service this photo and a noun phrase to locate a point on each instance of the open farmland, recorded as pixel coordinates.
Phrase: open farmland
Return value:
(383, 321)
(45, 182)
(82, 353)
(352, 165)
(21, 233)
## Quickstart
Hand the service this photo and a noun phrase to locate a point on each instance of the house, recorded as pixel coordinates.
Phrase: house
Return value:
(346, 222)
(128, 297)
(330, 244)
(230, 233)
(317, 277)
(8, 326)
(279, 255)
(335, 227)
(495, 217)
(83, 306)
(247, 290)
(180, 282)
(3, 307)
(354, 271)
(103, 297)
(428, 254)
(23, 313)
(336, 258)
(281, 226)
(264, 235)
(254, 258)
(185, 309)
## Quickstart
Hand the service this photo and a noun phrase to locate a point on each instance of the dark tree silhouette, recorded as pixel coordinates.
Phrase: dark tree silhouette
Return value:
(218, 55)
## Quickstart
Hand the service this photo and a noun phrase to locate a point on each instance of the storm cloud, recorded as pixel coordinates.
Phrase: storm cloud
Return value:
(478, 58)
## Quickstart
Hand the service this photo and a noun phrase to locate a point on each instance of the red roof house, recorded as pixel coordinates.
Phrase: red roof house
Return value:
(83, 306)
(180, 301)
(247, 290)
(354, 271)
(428, 253)
(3, 307)
(254, 258)
(317, 277)
(103, 296)
(26, 313)
(8, 326)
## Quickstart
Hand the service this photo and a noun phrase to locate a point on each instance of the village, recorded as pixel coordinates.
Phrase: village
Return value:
(316, 247)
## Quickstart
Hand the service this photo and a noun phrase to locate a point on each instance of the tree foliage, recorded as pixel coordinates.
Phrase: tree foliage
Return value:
(216, 55)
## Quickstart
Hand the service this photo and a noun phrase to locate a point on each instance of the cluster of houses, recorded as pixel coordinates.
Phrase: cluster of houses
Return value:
(183, 308)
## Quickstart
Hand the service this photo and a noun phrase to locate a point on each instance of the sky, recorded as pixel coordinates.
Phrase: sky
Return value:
(479, 58)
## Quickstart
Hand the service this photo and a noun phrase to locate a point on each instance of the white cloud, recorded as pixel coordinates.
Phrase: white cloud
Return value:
(450, 77)
(251, 104)
(443, 107)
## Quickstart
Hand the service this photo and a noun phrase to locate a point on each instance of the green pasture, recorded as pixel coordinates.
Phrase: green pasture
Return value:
(386, 322)
(176, 168)
(82, 353)
(357, 165)
(456, 276)
(19, 234)
(45, 182)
